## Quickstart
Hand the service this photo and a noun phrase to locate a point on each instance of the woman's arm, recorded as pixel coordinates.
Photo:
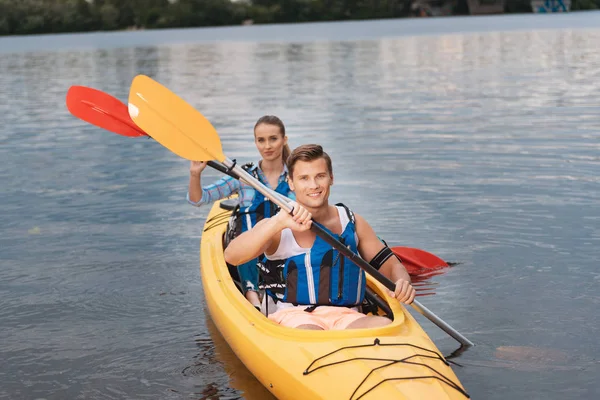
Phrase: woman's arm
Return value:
(198, 195)
(195, 187)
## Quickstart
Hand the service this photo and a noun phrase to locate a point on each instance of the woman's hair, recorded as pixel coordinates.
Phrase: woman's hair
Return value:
(273, 120)
(307, 153)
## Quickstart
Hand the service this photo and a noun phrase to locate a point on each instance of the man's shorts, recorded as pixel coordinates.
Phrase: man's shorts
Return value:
(326, 317)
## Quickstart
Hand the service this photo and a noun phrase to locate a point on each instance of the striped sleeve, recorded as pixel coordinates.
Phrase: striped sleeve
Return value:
(221, 189)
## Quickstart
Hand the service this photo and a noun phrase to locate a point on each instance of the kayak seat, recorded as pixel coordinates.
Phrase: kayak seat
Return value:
(373, 304)
(229, 204)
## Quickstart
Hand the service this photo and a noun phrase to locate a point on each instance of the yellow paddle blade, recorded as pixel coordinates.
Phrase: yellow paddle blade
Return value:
(172, 122)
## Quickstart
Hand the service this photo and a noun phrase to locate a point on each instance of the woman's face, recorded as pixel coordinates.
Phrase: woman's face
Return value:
(269, 141)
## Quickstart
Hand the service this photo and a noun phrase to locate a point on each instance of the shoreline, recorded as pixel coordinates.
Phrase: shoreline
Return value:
(302, 32)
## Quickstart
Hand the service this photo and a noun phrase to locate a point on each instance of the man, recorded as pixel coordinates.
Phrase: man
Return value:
(322, 288)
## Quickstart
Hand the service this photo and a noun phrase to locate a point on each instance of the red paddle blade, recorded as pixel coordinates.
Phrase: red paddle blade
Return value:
(101, 109)
(418, 261)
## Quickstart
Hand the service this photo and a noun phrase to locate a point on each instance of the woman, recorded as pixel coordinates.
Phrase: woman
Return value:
(271, 142)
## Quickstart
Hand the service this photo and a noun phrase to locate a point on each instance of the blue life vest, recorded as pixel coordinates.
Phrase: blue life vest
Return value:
(323, 276)
(244, 218)
(261, 206)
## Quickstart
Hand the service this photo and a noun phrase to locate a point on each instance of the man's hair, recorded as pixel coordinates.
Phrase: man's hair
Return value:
(307, 153)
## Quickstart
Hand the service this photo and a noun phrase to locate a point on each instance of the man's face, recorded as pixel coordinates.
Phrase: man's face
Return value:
(311, 183)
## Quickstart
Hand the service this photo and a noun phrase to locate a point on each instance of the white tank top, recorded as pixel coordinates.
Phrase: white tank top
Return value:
(288, 247)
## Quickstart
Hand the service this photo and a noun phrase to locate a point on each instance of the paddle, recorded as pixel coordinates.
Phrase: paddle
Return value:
(107, 112)
(174, 123)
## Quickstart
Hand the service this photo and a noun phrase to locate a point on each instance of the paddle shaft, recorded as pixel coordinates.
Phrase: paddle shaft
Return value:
(346, 252)
(220, 167)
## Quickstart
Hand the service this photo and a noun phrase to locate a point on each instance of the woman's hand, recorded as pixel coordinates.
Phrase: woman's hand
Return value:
(196, 167)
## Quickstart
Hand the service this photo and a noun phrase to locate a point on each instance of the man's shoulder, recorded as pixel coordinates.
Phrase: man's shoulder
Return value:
(351, 214)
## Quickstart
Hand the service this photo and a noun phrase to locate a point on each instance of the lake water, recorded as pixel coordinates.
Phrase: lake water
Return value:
(476, 138)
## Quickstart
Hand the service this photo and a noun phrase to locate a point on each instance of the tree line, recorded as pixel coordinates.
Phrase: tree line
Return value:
(20, 17)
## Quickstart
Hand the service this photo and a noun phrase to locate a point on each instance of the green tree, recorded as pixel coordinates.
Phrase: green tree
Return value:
(109, 15)
(585, 4)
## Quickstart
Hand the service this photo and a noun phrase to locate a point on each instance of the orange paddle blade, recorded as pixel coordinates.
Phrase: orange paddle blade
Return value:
(172, 122)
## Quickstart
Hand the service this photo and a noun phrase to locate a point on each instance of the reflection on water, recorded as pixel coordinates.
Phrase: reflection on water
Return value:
(481, 148)
(239, 377)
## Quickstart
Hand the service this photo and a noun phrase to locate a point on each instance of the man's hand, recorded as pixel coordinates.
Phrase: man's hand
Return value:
(299, 221)
(404, 292)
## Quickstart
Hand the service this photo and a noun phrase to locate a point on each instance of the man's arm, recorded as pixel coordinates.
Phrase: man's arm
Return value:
(254, 242)
(265, 235)
(368, 247)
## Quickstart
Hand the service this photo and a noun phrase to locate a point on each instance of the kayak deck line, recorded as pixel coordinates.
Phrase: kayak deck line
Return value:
(432, 355)
(217, 220)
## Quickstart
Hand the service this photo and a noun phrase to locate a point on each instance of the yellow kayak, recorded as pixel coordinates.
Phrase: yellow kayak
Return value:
(398, 361)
